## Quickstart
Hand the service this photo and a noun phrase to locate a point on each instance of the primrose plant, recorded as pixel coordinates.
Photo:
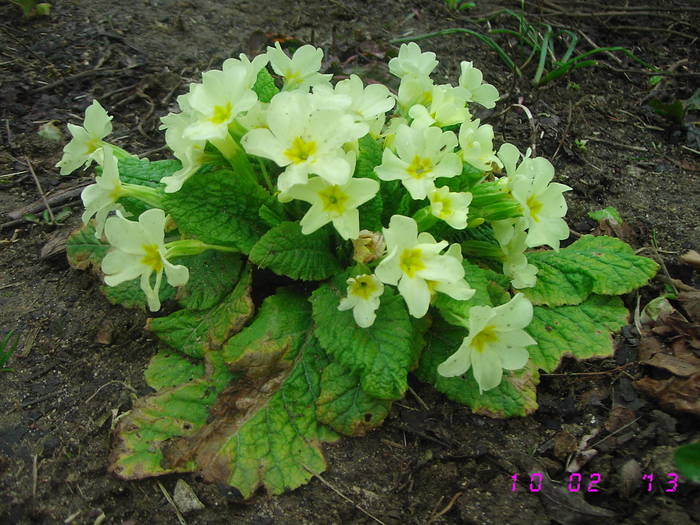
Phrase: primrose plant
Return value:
(380, 233)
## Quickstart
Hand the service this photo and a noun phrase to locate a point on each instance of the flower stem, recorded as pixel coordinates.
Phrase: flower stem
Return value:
(150, 196)
(193, 247)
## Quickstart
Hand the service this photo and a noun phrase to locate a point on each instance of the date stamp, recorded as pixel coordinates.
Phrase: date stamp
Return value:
(591, 483)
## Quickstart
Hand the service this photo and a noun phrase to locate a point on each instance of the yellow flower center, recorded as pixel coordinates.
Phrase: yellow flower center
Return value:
(116, 193)
(364, 287)
(444, 205)
(411, 261)
(300, 151)
(152, 257)
(535, 207)
(91, 145)
(486, 337)
(221, 114)
(419, 167)
(333, 200)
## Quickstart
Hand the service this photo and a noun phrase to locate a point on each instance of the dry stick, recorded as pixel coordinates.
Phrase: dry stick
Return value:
(41, 191)
(447, 508)
(60, 197)
(616, 144)
(603, 372)
(123, 383)
(327, 484)
(180, 517)
(82, 74)
(420, 401)
(616, 432)
(648, 29)
(596, 46)
(35, 475)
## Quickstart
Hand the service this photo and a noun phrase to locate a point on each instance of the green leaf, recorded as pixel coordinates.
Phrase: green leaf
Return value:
(84, 249)
(371, 214)
(380, 354)
(581, 331)
(145, 172)
(515, 396)
(264, 86)
(168, 368)
(465, 181)
(287, 251)
(219, 208)
(271, 436)
(213, 275)
(687, 459)
(130, 295)
(281, 320)
(258, 431)
(368, 158)
(600, 265)
(344, 406)
(154, 421)
(192, 332)
(457, 312)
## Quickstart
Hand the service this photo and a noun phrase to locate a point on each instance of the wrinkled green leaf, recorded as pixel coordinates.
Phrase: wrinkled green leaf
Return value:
(145, 172)
(457, 312)
(213, 275)
(344, 406)
(219, 208)
(287, 251)
(168, 369)
(581, 331)
(84, 249)
(687, 459)
(192, 332)
(368, 158)
(261, 430)
(264, 86)
(599, 265)
(515, 396)
(380, 354)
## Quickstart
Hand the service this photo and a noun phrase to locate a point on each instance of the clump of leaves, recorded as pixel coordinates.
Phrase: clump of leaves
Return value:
(401, 243)
(539, 44)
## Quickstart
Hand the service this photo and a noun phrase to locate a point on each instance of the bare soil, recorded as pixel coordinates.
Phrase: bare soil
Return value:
(80, 361)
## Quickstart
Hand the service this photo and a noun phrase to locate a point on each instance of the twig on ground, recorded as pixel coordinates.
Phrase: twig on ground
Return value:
(600, 373)
(445, 509)
(420, 401)
(35, 475)
(41, 191)
(123, 383)
(180, 517)
(57, 199)
(82, 74)
(616, 144)
(327, 484)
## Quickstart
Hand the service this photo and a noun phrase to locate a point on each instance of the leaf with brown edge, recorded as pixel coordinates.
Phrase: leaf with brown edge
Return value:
(253, 428)
(192, 332)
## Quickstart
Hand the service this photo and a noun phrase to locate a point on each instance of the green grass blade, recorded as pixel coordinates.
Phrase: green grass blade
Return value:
(8, 346)
(543, 57)
(485, 39)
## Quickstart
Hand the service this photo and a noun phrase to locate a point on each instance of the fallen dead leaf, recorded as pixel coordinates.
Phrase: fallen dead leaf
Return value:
(691, 258)
(676, 393)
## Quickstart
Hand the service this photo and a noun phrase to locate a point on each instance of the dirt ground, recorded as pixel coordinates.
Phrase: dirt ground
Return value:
(80, 361)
